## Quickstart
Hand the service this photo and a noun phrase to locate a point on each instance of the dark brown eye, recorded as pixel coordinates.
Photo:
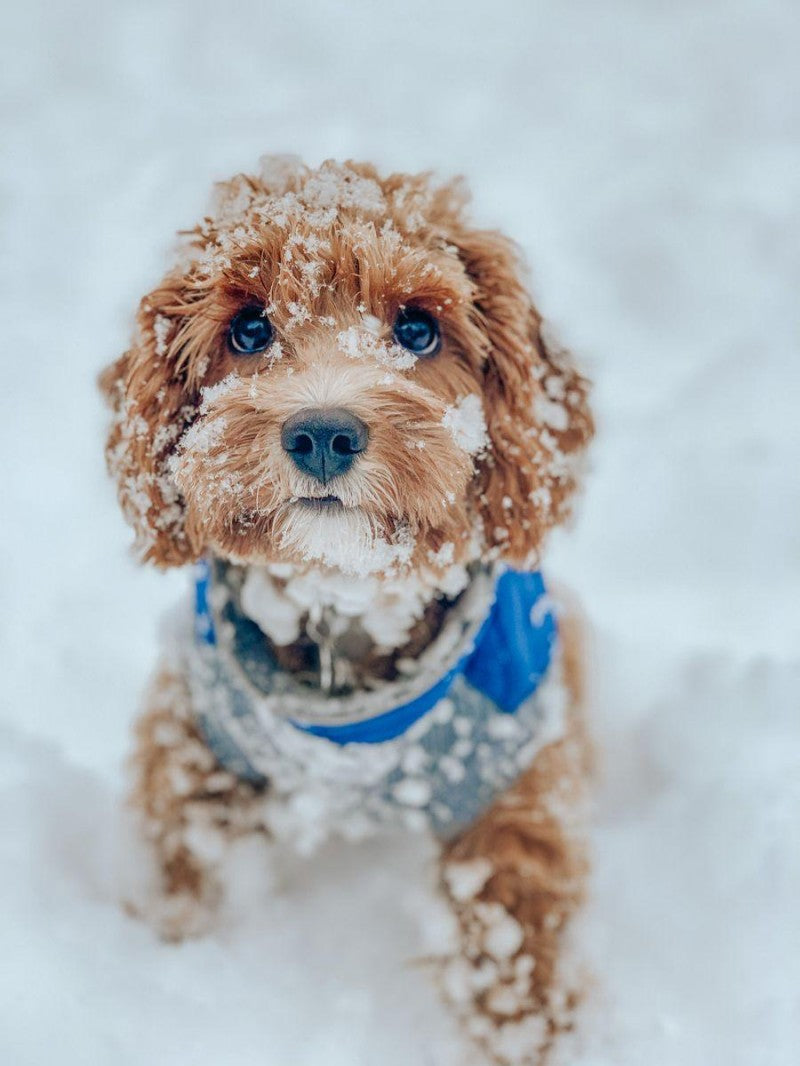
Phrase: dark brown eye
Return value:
(250, 331)
(417, 331)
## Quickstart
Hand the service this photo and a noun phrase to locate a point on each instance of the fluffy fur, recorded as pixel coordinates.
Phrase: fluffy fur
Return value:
(332, 254)
(472, 455)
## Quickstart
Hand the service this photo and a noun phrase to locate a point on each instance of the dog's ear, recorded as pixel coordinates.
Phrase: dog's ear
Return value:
(153, 397)
(536, 404)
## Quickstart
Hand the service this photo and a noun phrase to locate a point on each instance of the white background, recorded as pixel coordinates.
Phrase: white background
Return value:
(647, 157)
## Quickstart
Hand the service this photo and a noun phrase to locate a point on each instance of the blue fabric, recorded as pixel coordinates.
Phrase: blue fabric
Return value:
(513, 651)
(203, 619)
(509, 658)
(392, 723)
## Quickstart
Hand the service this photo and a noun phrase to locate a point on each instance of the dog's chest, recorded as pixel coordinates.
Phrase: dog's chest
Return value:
(430, 751)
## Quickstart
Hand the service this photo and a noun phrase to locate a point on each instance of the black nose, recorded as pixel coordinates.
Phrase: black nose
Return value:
(324, 442)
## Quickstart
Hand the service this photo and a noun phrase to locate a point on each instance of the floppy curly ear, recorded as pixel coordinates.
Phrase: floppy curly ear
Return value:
(536, 405)
(153, 399)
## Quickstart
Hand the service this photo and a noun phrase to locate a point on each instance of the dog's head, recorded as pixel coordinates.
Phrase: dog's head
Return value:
(342, 369)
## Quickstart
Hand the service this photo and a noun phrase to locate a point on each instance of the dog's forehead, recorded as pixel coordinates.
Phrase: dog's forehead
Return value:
(319, 210)
(286, 189)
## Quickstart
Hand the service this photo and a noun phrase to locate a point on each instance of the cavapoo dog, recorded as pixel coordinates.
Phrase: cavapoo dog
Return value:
(340, 405)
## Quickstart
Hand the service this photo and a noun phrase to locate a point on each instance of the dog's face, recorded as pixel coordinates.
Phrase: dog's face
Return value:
(341, 370)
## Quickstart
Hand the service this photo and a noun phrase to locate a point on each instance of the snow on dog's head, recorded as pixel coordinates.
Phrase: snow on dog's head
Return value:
(341, 368)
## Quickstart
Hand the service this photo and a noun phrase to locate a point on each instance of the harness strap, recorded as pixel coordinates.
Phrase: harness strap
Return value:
(508, 659)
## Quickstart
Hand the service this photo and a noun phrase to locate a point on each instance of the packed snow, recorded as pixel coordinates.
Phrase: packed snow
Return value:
(467, 424)
(647, 158)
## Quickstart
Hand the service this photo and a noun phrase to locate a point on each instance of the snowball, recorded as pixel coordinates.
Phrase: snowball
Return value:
(413, 791)
(551, 413)
(504, 938)
(272, 610)
(466, 879)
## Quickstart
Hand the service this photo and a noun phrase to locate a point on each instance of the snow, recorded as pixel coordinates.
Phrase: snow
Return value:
(467, 424)
(364, 344)
(504, 937)
(646, 157)
(466, 879)
(210, 394)
(414, 791)
(386, 608)
(348, 540)
(277, 615)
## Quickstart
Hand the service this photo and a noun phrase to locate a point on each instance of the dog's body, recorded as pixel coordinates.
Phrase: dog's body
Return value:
(359, 653)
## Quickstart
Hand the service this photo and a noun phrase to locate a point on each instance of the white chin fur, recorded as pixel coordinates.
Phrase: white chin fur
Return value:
(346, 539)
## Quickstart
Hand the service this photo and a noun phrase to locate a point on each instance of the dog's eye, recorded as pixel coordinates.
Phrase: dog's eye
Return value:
(418, 331)
(250, 331)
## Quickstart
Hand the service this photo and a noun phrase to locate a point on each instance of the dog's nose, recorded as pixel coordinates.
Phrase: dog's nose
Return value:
(324, 442)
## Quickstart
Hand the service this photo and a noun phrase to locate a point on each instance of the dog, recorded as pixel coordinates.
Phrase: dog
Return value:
(343, 407)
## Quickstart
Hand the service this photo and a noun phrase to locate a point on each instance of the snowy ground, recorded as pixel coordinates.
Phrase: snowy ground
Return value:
(648, 157)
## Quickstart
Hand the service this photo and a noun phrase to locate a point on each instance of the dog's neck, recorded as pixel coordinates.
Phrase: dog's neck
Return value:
(339, 632)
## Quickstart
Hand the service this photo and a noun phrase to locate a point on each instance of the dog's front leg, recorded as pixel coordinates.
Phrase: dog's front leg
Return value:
(189, 809)
(513, 879)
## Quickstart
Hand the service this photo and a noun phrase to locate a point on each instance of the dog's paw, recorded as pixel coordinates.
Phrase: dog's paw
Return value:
(491, 982)
(492, 998)
(174, 893)
(497, 1000)
(175, 916)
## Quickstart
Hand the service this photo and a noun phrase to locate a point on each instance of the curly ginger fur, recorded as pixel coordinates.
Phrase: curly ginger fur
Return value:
(331, 255)
(319, 270)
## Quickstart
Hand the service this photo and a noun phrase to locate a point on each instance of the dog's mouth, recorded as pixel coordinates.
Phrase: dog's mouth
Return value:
(320, 503)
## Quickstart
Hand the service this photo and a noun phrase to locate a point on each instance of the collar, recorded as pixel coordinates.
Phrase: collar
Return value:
(505, 658)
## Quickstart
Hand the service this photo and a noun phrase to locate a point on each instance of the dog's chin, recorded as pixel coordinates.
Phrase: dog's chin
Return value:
(322, 530)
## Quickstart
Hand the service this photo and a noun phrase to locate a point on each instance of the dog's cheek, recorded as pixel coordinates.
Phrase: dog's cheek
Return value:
(233, 475)
(432, 477)
(138, 441)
